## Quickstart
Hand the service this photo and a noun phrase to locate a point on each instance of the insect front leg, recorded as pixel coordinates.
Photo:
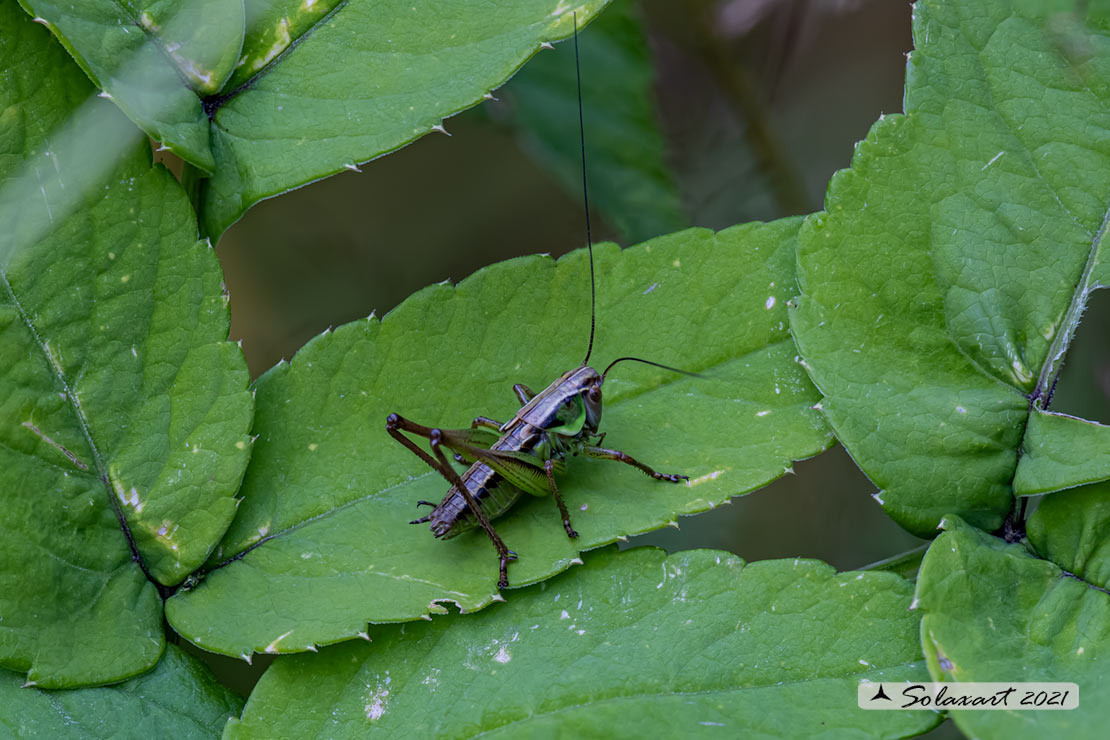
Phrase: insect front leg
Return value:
(549, 468)
(607, 454)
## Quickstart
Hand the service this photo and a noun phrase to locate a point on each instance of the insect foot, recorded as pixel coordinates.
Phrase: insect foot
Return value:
(670, 477)
(503, 581)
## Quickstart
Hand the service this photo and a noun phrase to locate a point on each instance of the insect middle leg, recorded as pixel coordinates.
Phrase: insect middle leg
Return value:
(607, 454)
(549, 468)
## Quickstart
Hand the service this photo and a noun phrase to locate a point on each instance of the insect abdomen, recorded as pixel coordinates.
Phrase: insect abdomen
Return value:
(493, 494)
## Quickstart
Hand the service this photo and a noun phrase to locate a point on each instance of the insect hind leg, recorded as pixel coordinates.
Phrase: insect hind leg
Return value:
(435, 440)
(396, 425)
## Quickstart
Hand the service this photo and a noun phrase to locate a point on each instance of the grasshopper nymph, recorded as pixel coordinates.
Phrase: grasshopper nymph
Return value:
(523, 454)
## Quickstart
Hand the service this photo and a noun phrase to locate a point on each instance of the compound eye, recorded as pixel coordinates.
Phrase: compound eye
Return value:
(595, 394)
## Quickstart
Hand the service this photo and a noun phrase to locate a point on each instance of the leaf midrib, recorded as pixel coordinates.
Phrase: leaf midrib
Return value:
(157, 41)
(82, 420)
(214, 103)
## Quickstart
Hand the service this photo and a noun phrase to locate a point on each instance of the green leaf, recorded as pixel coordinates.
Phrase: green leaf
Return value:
(367, 79)
(638, 644)
(273, 27)
(179, 699)
(315, 90)
(322, 544)
(1072, 529)
(629, 181)
(154, 59)
(124, 409)
(1061, 451)
(945, 280)
(993, 612)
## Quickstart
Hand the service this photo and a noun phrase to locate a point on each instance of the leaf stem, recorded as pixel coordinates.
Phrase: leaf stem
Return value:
(82, 420)
(904, 564)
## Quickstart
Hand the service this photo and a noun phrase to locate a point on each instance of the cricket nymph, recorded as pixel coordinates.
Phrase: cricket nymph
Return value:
(572, 401)
(529, 449)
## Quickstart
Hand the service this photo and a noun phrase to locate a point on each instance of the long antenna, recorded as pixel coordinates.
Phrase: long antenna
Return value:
(649, 362)
(589, 237)
(585, 197)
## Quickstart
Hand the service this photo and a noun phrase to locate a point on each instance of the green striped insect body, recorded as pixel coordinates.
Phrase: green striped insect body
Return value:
(548, 426)
(524, 454)
(520, 456)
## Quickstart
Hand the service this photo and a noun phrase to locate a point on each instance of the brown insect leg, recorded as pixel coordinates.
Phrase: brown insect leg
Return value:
(396, 424)
(435, 439)
(549, 468)
(423, 519)
(624, 457)
(523, 393)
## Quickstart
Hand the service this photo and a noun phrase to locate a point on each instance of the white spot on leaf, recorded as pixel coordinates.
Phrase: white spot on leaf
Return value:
(704, 478)
(993, 160)
(272, 647)
(375, 707)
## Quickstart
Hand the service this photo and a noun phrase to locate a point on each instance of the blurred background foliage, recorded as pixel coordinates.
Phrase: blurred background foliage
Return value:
(697, 113)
